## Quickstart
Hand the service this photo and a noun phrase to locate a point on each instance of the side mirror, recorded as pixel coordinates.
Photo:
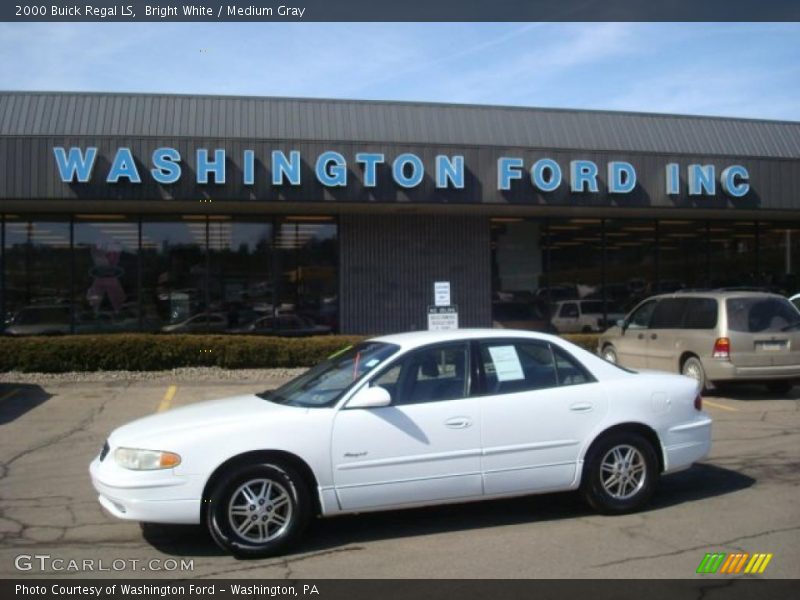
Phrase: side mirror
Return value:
(621, 323)
(370, 397)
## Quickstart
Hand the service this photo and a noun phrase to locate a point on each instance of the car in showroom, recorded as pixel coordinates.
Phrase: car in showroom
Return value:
(584, 316)
(716, 337)
(796, 301)
(401, 421)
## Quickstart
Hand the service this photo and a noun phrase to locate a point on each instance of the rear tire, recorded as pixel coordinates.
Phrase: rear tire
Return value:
(692, 367)
(258, 510)
(620, 473)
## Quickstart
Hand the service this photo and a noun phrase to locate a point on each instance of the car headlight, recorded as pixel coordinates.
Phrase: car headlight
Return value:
(145, 460)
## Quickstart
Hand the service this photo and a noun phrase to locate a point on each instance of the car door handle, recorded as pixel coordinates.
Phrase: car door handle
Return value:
(581, 407)
(640, 336)
(458, 423)
(653, 336)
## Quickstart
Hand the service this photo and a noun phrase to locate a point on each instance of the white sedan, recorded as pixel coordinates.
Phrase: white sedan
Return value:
(406, 420)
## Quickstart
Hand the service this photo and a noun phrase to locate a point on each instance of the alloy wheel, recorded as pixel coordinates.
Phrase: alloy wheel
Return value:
(260, 510)
(623, 471)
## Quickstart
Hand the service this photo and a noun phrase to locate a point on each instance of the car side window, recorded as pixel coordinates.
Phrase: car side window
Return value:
(668, 314)
(570, 371)
(701, 313)
(640, 318)
(428, 375)
(569, 310)
(510, 367)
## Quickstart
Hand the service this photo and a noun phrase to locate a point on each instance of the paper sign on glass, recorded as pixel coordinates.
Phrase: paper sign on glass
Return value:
(506, 363)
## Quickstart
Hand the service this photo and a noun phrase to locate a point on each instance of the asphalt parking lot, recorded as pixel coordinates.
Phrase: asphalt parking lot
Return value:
(743, 498)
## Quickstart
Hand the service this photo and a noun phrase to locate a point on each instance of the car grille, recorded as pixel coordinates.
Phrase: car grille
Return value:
(104, 451)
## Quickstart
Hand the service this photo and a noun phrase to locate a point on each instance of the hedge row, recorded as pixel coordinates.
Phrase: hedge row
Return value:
(147, 352)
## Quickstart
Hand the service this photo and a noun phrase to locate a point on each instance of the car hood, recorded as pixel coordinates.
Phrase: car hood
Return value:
(196, 416)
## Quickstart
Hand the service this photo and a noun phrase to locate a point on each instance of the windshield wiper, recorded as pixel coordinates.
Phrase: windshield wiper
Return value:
(790, 326)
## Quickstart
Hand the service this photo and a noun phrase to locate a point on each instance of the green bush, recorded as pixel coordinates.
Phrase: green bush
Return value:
(149, 352)
(587, 341)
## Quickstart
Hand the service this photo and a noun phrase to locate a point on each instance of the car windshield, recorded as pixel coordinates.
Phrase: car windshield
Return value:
(760, 314)
(324, 384)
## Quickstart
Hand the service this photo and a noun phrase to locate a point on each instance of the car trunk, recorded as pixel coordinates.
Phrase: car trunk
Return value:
(763, 332)
(765, 349)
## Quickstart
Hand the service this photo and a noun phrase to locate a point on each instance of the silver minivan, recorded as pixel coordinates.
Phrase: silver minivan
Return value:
(714, 337)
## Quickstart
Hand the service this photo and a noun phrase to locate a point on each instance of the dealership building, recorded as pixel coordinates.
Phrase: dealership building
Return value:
(140, 212)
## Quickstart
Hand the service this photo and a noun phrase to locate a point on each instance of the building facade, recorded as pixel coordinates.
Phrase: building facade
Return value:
(128, 212)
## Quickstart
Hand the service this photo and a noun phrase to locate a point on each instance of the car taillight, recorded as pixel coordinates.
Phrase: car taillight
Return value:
(722, 348)
(698, 402)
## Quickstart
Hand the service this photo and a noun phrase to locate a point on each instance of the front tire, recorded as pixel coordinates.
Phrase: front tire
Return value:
(258, 510)
(610, 354)
(620, 473)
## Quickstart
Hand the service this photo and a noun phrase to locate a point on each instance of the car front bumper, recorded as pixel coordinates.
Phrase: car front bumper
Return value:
(147, 496)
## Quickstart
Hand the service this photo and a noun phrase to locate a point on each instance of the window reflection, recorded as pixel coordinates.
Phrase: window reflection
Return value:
(174, 282)
(37, 276)
(240, 281)
(307, 255)
(105, 254)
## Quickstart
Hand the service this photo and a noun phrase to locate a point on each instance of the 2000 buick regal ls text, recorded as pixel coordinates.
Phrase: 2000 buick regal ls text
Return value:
(406, 420)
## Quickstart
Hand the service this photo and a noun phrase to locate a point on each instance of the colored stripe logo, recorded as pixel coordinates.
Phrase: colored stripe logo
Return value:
(731, 564)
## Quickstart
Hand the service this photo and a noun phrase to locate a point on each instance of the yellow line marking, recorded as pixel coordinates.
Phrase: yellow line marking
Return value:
(757, 564)
(722, 406)
(167, 399)
(765, 563)
(9, 394)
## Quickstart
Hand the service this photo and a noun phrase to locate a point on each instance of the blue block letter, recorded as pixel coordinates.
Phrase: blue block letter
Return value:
(205, 166)
(166, 169)
(74, 163)
(332, 169)
(289, 167)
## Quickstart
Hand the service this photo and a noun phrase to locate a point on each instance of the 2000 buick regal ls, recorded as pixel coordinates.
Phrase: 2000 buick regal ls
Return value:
(406, 420)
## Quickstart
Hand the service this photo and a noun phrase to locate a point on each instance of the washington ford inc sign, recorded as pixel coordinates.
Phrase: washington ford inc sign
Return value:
(330, 168)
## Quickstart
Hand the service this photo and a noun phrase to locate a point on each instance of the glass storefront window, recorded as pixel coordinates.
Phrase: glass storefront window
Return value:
(779, 256)
(106, 268)
(631, 264)
(37, 276)
(574, 266)
(518, 299)
(732, 254)
(307, 295)
(683, 254)
(240, 277)
(174, 293)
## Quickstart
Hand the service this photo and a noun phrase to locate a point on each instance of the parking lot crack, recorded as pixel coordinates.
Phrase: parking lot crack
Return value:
(285, 563)
(728, 543)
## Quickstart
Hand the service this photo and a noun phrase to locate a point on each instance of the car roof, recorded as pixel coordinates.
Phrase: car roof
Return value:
(716, 294)
(413, 339)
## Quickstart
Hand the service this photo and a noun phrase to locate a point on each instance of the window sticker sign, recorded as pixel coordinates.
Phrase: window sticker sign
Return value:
(441, 293)
(506, 363)
(442, 318)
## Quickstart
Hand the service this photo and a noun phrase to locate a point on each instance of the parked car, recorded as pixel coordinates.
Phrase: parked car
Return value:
(584, 316)
(406, 420)
(285, 326)
(202, 322)
(40, 319)
(714, 337)
(796, 301)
